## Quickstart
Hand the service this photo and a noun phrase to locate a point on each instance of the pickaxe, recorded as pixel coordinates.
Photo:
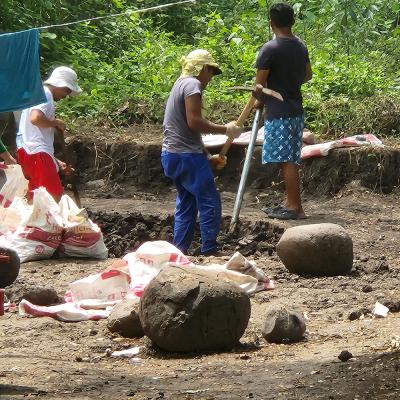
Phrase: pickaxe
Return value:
(259, 89)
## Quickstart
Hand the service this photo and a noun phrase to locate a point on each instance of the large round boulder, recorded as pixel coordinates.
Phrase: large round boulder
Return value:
(187, 309)
(318, 249)
(283, 325)
(124, 319)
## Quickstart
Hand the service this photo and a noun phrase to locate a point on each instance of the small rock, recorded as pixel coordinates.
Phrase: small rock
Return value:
(345, 356)
(38, 295)
(367, 289)
(124, 319)
(356, 314)
(96, 184)
(108, 352)
(93, 332)
(382, 266)
(392, 305)
(283, 325)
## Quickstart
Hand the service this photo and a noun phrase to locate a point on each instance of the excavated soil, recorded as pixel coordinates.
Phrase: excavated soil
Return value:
(54, 360)
(134, 157)
(127, 231)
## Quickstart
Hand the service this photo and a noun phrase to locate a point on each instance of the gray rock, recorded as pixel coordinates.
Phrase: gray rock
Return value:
(97, 184)
(318, 249)
(283, 325)
(186, 309)
(38, 295)
(9, 267)
(356, 314)
(124, 319)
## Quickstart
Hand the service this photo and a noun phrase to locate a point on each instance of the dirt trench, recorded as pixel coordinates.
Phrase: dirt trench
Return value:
(137, 163)
(125, 232)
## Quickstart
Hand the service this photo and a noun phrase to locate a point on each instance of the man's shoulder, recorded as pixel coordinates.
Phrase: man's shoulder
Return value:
(187, 84)
(301, 42)
(189, 81)
(271, 44)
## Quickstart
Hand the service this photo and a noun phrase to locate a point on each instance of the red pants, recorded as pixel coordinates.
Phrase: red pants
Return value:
(40, 170)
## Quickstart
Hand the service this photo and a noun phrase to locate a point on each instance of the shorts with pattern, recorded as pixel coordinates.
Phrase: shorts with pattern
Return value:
(283, 140)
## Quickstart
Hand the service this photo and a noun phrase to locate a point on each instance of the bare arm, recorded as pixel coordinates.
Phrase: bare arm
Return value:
(261, 78)
(8, 158)
(41, 121)
(195, 120)
(5, 155)
(309, 73)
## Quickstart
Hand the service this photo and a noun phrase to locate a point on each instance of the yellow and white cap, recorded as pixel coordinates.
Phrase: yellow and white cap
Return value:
(193, 63)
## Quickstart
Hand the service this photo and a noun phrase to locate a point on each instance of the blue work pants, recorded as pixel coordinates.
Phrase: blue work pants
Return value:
(197, 194)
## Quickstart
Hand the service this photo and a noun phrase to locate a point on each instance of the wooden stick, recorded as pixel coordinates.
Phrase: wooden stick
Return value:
(240, 121)
(71, 179)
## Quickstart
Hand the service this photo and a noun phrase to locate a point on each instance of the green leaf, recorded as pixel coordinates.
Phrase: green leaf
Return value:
(49, 35)
(330, 26)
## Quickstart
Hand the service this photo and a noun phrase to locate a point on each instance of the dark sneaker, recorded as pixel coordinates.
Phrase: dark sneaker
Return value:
(271, 209)
(217, 253)
(284, 214)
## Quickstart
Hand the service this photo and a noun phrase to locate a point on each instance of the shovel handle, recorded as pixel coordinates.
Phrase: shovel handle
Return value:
(68, 160)
(240, 121)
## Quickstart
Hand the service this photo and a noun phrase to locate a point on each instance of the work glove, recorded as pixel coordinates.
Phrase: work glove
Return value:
(216, 161)
(233, 131)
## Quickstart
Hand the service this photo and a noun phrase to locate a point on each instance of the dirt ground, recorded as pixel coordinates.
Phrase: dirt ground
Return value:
(54, 360)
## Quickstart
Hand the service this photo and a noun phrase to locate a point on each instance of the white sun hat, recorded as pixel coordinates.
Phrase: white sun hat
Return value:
(64, 77)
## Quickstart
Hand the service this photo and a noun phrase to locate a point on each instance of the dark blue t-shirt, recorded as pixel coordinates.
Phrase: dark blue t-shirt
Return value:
(286, 60)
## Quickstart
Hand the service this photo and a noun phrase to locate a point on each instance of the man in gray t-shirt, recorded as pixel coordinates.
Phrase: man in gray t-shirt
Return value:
(178, 137)
(184, 157)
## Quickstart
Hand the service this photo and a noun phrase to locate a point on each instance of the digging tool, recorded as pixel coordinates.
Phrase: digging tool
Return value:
(240, 121)
(72, 178)
(245, 172)
(246, 111)
(259, 88)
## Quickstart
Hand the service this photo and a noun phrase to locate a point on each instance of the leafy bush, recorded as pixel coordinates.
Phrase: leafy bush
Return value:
(340, 115)
(127, 66)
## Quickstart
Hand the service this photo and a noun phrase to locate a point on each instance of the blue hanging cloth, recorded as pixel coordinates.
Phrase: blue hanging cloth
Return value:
(20, 82)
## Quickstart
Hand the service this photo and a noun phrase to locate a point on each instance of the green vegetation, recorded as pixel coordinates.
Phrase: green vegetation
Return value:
(127, 65)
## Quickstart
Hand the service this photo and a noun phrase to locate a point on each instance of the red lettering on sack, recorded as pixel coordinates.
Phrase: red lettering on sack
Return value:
(39, 249)
(146, 261)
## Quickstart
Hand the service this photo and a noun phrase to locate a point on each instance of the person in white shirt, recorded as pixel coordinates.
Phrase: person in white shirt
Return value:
(37, 127)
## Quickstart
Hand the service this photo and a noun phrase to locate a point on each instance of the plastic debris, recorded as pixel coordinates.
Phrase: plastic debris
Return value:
(380, 310)
(128, 353)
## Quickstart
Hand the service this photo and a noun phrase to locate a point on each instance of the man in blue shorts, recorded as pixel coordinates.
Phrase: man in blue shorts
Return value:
(283, 65)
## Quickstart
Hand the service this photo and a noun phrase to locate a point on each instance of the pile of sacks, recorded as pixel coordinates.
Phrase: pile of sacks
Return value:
(37, 231)
(183, 306)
